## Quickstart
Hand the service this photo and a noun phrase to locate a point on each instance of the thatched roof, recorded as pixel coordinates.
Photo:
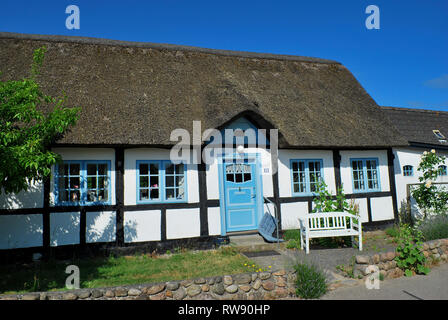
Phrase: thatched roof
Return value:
(417, 125)
(137, 93)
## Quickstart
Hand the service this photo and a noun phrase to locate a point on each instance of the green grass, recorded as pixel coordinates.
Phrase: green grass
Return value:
(393, 232)
(116, 271)
(292, 238)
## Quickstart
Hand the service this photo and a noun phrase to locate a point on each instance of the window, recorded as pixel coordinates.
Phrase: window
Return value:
(82, 183)
(365, 175)
(439, 136)
(305, 175)
(442, 170)
(408, 171)
(160, 181)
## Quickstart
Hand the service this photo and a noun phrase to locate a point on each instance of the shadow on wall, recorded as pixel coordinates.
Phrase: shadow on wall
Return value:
(21, 231)
(32, 198)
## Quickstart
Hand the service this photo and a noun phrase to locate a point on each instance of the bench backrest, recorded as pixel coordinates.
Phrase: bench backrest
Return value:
(329, 221)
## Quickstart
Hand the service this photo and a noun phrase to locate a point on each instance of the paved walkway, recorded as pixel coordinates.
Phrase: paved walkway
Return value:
(433, 286)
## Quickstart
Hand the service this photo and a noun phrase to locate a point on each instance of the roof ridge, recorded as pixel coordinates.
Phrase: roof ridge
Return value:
(415, 110)
(161, 46)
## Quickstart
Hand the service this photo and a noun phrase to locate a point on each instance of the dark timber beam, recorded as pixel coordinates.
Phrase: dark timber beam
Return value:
(46, 217)
(119, 195)
(393, 187)
(203, 212)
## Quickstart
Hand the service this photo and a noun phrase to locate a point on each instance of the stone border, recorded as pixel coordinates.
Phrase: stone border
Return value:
(434, 250)
(266, 285)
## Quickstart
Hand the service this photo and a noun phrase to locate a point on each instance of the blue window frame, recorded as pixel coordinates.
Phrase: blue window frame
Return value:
(160, 181)
(82, 183)
(442, 170)
(365, 174)
(305, 176)
(408, 171)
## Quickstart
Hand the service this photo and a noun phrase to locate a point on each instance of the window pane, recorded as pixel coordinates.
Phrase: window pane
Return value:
(238, 177)
(103, 195)
(102, 169)
(154, 194)
(92, 195)
(169, 194)
(230, 177)
(154, 168)
(74, 169)
(169, 169)
(144, 194)
(143, 168)
(144, 182)
(102, 182)
(154, 181)
(74, 182)
(295, 177)
(247, 177)
(91, 183)
(179, 181)
(180, 169)
(295, 166)
(74, 196)
(91, 169)
(169, 181)
(180, 193)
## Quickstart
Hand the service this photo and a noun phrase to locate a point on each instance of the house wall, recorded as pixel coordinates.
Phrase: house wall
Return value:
(381, 205)
(411, 156)
(157, 222)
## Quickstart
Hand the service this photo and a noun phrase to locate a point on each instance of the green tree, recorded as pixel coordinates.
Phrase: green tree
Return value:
(26, 132)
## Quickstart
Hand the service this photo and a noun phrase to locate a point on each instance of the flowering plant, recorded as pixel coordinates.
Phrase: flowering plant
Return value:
(429, 197)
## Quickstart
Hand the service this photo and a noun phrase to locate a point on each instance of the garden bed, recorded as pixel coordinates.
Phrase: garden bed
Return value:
(125, 270)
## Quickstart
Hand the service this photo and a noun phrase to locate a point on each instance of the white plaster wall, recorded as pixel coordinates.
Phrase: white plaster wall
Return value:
(346, 168)
(363, 213)
(64, 228)
(87, 154)
(212, 178)
(410, 156)
(100, 226)
(291, 212)
(142, 226)
(182, 223)
(284, 168)
(382, 208)
(130, 179)
(214, 221)
(21, 231)
(32, 198)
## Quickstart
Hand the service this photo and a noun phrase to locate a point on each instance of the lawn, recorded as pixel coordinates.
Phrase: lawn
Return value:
(126, 270)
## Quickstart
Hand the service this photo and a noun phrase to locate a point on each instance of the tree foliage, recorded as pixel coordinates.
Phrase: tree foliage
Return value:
(26, 132)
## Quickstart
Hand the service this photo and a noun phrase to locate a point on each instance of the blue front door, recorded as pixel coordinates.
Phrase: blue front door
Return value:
(240, 192)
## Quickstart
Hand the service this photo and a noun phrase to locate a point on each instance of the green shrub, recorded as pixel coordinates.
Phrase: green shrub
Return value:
(435, 227)
(410, 256)
(292, 234)
(311, 282)
(393, 232)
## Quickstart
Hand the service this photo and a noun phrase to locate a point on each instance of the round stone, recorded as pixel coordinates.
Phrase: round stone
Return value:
(232, 288)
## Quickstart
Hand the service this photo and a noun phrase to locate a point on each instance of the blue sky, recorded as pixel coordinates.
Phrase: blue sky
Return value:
(404, 63)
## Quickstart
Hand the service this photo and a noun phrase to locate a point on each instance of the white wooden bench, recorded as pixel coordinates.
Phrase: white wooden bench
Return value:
(329, 224)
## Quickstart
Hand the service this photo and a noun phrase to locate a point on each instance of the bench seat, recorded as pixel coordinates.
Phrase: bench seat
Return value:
(329, 224)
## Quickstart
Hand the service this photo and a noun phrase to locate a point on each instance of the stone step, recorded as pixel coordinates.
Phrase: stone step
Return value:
(252, 242)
